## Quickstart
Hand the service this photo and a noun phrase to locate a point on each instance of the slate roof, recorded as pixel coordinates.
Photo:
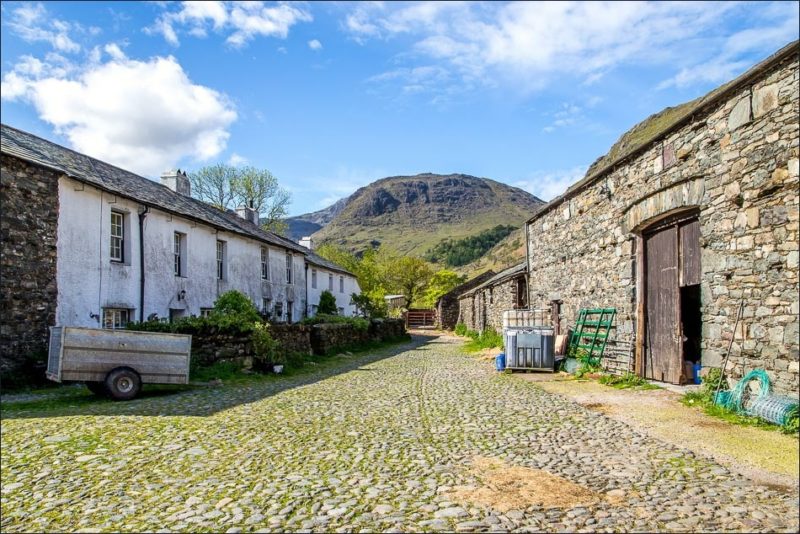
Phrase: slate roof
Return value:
(118, 181)
(499, 277)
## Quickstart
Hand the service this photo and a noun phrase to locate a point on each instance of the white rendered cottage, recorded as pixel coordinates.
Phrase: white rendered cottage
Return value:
(128, 248)
(322, 275)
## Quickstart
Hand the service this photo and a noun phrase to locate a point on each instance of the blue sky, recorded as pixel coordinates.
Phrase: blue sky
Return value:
(331, 96)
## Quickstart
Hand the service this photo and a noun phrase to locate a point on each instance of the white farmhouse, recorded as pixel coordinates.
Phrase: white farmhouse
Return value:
(128, 248)
(322, 275)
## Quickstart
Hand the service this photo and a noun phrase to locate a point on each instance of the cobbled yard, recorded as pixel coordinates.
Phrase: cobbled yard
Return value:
(373, 444)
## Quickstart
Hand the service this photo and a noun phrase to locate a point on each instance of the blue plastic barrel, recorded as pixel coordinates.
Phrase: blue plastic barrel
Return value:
(696, 376)
(500, 361)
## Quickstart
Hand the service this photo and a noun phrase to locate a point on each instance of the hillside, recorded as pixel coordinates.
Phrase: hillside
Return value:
(308, 223)
(509, 251)
(411, 214)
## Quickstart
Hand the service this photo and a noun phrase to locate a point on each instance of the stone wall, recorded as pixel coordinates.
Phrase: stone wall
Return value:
(736, 160)
(447, 308)
(321, 339)
(293, 338)
(327, 338)
(28, 226)
(484, 307)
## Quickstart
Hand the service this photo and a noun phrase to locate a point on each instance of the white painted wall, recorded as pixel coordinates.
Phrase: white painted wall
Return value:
(343, 299)
(89, 281)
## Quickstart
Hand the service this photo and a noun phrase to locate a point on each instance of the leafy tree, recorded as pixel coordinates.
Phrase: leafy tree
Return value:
(259, 189)
(225, 187)
(408, 276)
(327, 304)
(441, 282)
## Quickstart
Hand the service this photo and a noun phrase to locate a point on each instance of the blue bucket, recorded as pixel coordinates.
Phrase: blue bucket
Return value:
(696, 374)
(500, 361)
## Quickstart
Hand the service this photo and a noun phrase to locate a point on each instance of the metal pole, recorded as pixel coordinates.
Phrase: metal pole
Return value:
(727, 355)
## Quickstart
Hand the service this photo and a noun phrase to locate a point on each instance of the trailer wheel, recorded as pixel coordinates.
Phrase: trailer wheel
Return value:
(123, 383)
(98, 388)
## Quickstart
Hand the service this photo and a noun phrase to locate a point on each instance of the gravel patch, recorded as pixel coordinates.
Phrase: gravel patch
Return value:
(375, 446)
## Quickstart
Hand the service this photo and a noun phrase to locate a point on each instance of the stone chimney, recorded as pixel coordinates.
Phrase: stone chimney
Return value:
(306, 242)
(248, 214)
(177, 180)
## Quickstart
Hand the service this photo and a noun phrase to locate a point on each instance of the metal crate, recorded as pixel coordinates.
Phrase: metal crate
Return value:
(530, 348)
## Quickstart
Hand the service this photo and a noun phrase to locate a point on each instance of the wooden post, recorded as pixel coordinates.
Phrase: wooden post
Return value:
(638, 365)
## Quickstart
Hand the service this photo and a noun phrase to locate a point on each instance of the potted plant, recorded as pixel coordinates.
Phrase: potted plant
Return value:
(278, 360)
(266, 350)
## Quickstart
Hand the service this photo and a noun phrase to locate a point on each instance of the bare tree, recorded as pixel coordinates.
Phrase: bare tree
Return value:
(226, 187)
(213, 185)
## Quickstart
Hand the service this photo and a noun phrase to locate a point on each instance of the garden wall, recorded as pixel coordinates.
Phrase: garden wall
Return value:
(320, 339)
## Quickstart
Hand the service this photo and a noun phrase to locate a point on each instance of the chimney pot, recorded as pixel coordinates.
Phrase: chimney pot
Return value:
(307, 242)
(248, 214)
(177, 181)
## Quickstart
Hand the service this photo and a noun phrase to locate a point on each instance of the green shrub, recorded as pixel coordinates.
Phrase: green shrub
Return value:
(358, 322)
(266, 350)
(587, 363)
(792, 423)
(487, 339)
(236, 304)
(327, 303)
(461, 329)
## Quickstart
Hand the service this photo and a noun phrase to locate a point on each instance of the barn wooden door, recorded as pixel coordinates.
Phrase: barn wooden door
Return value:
(663, 355)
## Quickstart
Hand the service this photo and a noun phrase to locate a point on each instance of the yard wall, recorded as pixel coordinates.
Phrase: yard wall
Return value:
(736, 161)
(28, 291)
(294, 338)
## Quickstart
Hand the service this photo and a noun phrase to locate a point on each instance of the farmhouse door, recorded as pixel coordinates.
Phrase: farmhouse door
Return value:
(663, 354)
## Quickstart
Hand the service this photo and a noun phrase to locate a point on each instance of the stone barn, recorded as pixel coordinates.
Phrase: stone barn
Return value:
(483, 306)
(690, 230)
(447, 305)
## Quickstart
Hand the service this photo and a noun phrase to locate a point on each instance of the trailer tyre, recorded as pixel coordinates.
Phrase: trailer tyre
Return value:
(98, 388)
(123, 383)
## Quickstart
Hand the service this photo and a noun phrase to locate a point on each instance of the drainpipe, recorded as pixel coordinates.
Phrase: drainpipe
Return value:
(308, 304)
(142, 215)
(528, 267)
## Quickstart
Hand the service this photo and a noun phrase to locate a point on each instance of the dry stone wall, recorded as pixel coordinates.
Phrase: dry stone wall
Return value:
(28, 224)
(737, 161)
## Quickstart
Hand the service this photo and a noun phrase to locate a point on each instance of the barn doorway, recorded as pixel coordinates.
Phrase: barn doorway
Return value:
(673, 313)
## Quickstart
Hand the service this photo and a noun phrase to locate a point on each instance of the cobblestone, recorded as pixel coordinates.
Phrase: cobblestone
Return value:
(373, 445)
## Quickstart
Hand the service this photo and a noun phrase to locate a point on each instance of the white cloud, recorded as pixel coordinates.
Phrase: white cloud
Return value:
(242, 20)
(314, 44)
(529, 44)
(140, 115)
(549, 184)
(33, 23)
(237, 160)
(729, 63)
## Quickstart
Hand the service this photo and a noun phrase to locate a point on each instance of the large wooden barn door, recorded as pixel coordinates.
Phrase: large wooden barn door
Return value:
(663, 355)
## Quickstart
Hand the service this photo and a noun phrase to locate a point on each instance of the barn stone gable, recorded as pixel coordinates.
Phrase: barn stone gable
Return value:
(733, 165)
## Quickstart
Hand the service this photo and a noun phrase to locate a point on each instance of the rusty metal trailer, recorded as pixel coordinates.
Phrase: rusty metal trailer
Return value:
(117, 362)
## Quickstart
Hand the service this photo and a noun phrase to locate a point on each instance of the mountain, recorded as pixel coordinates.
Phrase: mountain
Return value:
(308, 223)
(411, 214)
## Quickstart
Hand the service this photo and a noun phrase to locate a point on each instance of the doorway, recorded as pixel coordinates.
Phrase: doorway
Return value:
(673, 313)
